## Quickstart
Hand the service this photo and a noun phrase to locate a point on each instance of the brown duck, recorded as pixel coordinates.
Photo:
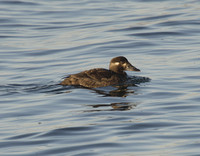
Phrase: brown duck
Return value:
(100, 77)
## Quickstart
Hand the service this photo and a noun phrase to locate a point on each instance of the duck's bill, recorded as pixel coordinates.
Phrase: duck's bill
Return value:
(130, 67)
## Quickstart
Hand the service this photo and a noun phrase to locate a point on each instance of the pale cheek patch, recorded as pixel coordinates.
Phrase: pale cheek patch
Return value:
(124, 65)
(116, 63)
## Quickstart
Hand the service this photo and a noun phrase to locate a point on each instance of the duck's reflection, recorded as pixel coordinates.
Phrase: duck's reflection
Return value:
(121, 106)
(117, 91)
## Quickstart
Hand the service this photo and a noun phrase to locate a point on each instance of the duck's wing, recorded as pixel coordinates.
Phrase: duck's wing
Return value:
(99, 74)
(94, 78)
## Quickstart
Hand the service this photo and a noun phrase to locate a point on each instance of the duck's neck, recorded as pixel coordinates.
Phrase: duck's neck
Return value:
(118, 71)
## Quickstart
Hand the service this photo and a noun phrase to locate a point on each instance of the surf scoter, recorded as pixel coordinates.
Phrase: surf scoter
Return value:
(100, 77)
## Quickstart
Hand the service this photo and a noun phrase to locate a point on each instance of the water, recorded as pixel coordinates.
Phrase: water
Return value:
(44, 41)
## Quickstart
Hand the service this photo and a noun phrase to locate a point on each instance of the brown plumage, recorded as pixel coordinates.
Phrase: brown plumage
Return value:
(100, 77)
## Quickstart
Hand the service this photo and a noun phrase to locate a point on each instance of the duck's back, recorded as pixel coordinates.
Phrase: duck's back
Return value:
(93, 78)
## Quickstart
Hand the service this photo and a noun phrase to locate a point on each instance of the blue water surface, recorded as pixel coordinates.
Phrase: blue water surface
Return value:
(44, 41)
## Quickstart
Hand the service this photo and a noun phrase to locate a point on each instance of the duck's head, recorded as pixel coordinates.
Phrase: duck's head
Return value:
(120, 64)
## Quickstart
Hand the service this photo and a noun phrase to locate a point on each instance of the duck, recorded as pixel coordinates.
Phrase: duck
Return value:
(100, 77)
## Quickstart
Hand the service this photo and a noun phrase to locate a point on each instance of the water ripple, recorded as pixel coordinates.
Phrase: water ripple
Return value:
(17, 2)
